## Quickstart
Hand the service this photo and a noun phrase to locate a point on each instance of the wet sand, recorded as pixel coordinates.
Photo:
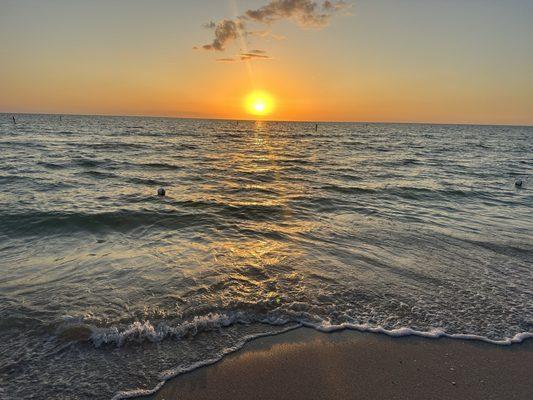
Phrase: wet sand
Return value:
(305, 364)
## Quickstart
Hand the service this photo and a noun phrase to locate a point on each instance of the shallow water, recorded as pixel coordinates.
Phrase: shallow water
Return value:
(106, 287)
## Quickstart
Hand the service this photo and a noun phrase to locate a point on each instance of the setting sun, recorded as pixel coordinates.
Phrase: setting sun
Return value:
(259, 103)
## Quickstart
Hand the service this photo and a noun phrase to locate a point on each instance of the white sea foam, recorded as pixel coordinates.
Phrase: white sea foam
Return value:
(146, 331)
(431, 334)
(141, 331)
(172, 373)
(217, 319)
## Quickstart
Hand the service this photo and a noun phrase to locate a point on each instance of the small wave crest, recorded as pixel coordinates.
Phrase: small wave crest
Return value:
(139, 332)
(35, 223)
(145, 331)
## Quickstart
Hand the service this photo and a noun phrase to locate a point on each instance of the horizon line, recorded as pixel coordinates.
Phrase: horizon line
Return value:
(267, 120)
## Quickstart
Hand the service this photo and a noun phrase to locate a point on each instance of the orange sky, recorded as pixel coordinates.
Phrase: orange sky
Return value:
(381, 60)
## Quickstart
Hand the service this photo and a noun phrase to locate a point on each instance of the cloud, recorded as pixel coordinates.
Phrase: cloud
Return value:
(254, 56)
(247, 56)
(226, 31)
(227, 60)
(305, 13)
(335, 5)
(265, 34)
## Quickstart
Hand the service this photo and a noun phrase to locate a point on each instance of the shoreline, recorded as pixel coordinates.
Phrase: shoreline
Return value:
(304, 363)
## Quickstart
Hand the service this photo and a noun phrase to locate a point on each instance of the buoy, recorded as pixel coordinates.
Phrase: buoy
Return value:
(161, 192)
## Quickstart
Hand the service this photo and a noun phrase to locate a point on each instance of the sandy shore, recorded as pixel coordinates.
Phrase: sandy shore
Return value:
(305, 364)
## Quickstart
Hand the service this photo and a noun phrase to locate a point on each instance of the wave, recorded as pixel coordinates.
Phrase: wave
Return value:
(349, 189)
(411, 193)
(157, 165)
(146, 331)
(100, 174)
(148, 182)
(35, 223)
(115, 146)
(7, 179)
(138, 332)
(172, 373)
(88, 162)
(28, 181)
(431, 334)
(51, 165)
(257, 212)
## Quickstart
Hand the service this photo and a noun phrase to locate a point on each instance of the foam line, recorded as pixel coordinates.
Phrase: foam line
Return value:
(172, 373)
(432, 334)
(322, 327)
(139, 331)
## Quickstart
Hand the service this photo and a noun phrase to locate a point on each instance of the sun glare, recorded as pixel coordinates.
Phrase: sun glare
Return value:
(259, 103)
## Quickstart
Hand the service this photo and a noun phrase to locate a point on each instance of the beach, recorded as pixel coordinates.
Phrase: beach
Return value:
(306, 364)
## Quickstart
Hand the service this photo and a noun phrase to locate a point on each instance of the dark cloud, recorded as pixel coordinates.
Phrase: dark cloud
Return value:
(210, 25)
(254, 56)
(335, 5)
(226, 31)
(247, 56)
(227, 60)
(306, 13)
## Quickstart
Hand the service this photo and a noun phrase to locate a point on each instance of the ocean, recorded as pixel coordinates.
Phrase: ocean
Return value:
(107, 289)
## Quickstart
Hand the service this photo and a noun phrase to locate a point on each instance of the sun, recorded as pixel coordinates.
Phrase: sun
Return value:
(259, 103)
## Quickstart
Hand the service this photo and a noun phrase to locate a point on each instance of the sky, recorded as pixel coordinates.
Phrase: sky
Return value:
(447, 61)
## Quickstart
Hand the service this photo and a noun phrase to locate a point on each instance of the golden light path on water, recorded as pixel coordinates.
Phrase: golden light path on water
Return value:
(264, 157)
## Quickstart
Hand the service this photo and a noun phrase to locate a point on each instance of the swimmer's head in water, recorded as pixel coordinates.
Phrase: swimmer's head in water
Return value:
(161, 192)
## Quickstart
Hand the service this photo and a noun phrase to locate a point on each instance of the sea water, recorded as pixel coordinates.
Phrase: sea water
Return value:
(107, 289)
